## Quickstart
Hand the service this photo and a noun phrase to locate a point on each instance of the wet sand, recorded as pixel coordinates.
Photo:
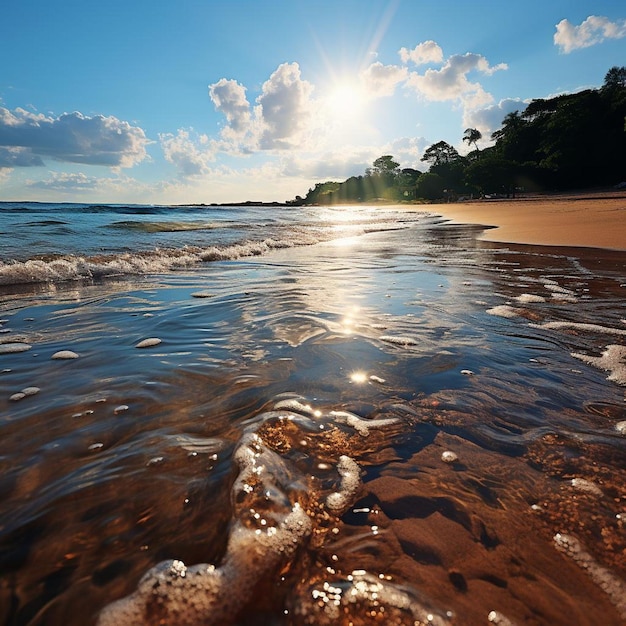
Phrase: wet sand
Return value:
(591, 220)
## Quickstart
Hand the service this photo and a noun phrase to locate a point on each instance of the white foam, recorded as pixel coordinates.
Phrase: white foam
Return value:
(362, 597)
(258, 542)
(592, 328)
(613, 360)
(504, 310)
(529, 298)
(359, 424)
(399, 341)
(613, 586)
(620, 427)
(205, 594)
(340, 500)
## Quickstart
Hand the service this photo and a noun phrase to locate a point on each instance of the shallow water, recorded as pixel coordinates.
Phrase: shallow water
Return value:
(289, 429)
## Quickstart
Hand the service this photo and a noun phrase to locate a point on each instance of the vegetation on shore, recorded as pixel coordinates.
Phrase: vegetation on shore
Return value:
(571, 141)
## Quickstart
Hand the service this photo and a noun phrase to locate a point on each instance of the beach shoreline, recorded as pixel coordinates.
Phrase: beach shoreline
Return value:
(586, 220)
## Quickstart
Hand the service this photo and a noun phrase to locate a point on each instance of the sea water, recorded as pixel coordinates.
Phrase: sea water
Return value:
(282, 415)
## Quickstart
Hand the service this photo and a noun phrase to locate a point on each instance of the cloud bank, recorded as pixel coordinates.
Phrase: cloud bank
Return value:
(27, 138)
(594, 30)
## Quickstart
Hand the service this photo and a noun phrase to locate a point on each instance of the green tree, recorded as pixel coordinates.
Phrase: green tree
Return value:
(615, 78)
(472, 136)
(384, 166)
(440, 153)
(430, 186)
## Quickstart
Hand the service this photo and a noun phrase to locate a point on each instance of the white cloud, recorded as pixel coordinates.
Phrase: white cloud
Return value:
(285, 108)
(229, 97)
(280, 120)
(408, 151)
(381, 80)
(63, 181)
(594, 30)
(72, 138)
(426, 52)
(337, 164)
(190, 155)
(18, 157)
(451, 81)
(489, 119)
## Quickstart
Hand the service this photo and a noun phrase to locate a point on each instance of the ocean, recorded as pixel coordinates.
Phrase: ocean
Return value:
(306, 415)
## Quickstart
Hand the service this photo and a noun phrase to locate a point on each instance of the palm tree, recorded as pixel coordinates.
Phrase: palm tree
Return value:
(471, 136)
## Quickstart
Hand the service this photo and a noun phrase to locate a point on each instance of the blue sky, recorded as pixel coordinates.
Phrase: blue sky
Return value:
(185, 101)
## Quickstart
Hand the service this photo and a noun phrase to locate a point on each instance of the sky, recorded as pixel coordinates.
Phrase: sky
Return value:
(206, 101)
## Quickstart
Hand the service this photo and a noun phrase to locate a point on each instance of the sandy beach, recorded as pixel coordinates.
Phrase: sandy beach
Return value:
(593, 220)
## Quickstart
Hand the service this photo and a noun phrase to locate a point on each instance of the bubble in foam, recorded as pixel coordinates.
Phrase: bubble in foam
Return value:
(363, 594)
(613, 360)
(613, 586)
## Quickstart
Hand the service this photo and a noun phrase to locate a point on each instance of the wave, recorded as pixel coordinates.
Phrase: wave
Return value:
(73, 267)
(161, 227)
(46, 223)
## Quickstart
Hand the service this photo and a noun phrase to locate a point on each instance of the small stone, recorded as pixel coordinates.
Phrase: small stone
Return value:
(17, 396)
(12, 348)
(467, 372)
(30, 391)
(148, 343)
(120, 409)
(64, 355)
(449, 457)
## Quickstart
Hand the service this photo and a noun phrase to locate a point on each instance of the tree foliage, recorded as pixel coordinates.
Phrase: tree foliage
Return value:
(571, 141)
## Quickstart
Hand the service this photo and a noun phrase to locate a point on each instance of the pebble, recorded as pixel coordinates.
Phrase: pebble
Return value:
(120, 409)
(27, 391)
(148, 343)
(64, 354)
(12, 348)
(581, 484)
(467, 372)
(449, 457)
(620, 427)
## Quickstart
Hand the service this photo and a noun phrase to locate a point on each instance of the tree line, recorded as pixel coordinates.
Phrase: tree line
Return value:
(571, 141)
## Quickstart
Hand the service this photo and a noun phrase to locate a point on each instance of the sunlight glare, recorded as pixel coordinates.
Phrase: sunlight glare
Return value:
(345, 101)
(358, 377)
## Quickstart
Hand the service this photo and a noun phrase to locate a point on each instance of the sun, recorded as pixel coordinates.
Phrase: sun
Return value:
(346, 101)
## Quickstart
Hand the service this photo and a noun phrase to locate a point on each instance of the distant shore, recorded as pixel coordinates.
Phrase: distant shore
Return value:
(590, 220)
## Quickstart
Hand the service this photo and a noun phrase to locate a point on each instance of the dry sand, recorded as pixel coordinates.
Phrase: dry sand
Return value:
(591, 220)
